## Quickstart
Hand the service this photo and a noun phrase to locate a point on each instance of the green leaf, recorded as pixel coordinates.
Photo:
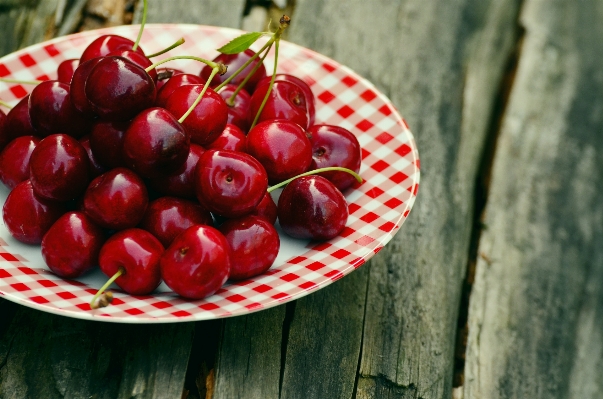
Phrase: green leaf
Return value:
(240, 43)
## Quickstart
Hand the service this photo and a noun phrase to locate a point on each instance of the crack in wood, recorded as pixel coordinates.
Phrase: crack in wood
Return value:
(289, 315)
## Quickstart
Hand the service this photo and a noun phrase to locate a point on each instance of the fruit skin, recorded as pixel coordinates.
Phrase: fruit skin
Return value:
(14, 160)
(28, 217)
(282, 147)
(77, 90)
(107, 142)
(285, 101)
(17, 123)
(136, 251)
(238, 112)
(96, 169)
(181, 183)
(311, 207)
(335, 146)
(310, 100)
(266, 209)
(232, 138)
(66, 69)
(116, 199)
(167, 217)
(229, 183)
(234, 62)
(254, 244)
(107, 44)
(197, 263)
(59, 168)
(71, 246)
(172, 84)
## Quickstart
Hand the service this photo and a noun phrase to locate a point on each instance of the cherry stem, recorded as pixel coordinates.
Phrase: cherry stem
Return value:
(102, 289)
(245, 65)
(144, 21)
(23, 82)
(200, 96)
(230, 101)
(185, 57)
(316, 171)
(165, 50)
(5, 104)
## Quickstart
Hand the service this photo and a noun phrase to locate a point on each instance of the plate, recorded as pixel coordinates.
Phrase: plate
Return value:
(378, 207)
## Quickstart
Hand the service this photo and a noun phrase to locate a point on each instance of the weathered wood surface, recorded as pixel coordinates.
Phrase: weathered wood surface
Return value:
(389, 330)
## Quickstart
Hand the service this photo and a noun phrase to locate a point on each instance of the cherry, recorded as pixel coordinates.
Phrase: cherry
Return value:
(208, 118)
(17, 123)
(106, 44)
(254, 245)
(66, 69)
(239, 111)
(28, 217)
(335, 146)
(59, 168)
(164, 75)
(136, 252)
(180, 184)
(310, 101)
(51, 110)
(197, 263)
(106, 142)
(172, 84)
(14, 160)
(78, 87)
(137, 58)
(311, 207)
(95, 167)
(117, 199)
(229, 183)
(166, 217)
(118, 89)
(70, 247)
(266, 209)
(282, 147)
(232, 138)
(285, 101)
(155, 143)
(234, 62)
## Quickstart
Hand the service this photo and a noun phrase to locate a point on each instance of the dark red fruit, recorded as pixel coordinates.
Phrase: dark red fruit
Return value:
(172, 84)
(155, 143)
(106, 44)
(116, 199)
(285, 101)
(14, 160)
(234, 62)
(78, 88)
(118, 89)
(232, 138)
(197, 263)
(238, 111)
(335, 146)
(137, 58)
(266, 209)
(310, 101)
(66, 69)
(311, 207)
(107, 141)
(254, 244)
(209, 117)
(181, 183)
(165, 74)
(70, 247)
(28, 217)
(229, 183)
(167, 217)
(96, 168)
(282, 147)
(137, 252)
(59, 168)
(17, 123)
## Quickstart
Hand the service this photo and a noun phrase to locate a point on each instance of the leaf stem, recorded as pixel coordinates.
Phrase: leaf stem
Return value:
(165, 50)
(314, 172)
(214, 71)
(230, 101)
(23, 82)
(5, 104)
(93, 304)
(142, 23)
(182, 57)
(245, 65)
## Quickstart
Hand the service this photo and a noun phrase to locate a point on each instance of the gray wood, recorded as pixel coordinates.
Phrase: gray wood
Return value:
(537, 305)
(228, 13)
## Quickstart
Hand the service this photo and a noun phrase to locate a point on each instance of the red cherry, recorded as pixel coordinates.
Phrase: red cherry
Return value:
(239, 111)
(172, 84)
(16, 123)
(66, 69)
(335, 146)
(285, 101)
(106, 44)
(137, 252)
(254, 245)
(167, 217)
(28, 217)
(96, 168)
(229, 183)
(137, 58)
(197, 263)
(207, 120)
(282, 147)
(311, 207)
(234, 62)
(78, 88)
(118, 89)
(232, 138)
(155, 143)
(14, 160)
(266, 209)
(165, 74)
(59, 168)
(309, 96)
(107, 142)
(181, 183)
(70, 247)
(117, 199)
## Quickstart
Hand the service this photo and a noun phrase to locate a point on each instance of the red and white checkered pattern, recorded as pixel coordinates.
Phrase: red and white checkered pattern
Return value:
(378, 207)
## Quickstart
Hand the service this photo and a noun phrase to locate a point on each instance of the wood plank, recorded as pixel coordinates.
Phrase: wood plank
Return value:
(537, 306)
(228, 13)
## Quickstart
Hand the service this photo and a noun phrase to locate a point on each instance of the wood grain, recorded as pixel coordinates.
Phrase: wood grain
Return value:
(537, 305)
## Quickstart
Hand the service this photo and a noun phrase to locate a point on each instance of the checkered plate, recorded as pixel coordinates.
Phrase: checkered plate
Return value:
(378, 207)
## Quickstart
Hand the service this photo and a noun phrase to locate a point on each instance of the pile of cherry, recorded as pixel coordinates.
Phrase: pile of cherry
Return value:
(103, 173)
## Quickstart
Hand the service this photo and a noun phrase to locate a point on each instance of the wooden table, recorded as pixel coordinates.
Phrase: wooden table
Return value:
(492, 288)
